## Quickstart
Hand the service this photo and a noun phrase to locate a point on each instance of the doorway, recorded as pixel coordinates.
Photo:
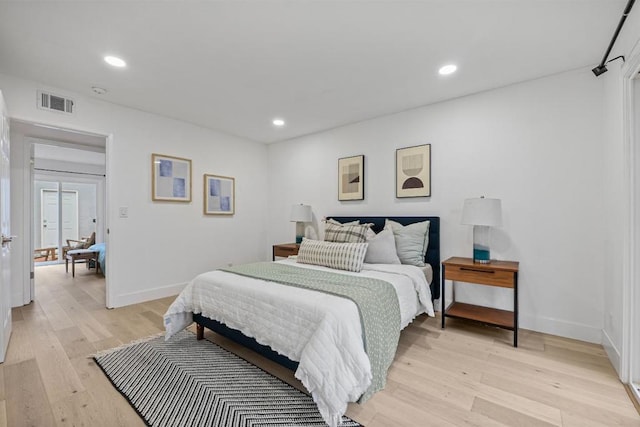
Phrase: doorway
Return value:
(65, 215)
(50, 222)
(71, 160)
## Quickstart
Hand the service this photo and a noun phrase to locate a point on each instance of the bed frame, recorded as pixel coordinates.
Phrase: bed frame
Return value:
(432, 257)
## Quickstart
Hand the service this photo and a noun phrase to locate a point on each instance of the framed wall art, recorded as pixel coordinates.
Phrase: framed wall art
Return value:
(351, 178)
(413, 171)
(219, 195)
(170, 178)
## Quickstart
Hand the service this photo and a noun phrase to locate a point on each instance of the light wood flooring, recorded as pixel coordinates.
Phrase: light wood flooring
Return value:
(465, 375)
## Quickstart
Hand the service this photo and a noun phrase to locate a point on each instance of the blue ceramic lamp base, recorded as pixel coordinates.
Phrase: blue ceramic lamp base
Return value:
(299, 232)
(481, 253)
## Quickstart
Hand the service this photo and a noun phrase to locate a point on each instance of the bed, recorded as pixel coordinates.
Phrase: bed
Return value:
(318, 335)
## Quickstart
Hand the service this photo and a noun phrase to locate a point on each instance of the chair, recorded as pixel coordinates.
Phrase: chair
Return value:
(80, 255)
(44, 254)
(83, 243)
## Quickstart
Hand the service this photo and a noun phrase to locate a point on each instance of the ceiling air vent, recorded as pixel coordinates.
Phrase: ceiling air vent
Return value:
(49, 101)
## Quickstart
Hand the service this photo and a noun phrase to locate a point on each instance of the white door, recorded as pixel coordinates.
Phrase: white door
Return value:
(49, 217)
(5, 249)
(69, 215)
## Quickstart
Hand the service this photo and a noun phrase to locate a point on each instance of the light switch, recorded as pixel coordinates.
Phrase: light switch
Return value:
(124, 212)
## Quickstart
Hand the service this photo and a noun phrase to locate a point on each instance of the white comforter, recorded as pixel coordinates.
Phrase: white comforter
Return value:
(320, 331)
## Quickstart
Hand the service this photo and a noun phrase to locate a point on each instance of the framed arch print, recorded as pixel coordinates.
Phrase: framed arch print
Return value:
(413, 171)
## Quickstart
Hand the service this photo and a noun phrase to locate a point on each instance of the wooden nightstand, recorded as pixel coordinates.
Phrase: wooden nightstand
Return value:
(284, 250)
(503, 274)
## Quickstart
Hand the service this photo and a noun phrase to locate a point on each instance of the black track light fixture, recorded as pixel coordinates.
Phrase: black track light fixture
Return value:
(602, 68)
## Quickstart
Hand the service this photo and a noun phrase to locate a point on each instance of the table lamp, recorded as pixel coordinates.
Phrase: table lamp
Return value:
(483, 214)
(300, 214)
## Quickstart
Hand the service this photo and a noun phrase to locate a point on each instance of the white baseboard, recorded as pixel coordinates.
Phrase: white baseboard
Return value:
(612, 351)
(562, 328)
(147, 295)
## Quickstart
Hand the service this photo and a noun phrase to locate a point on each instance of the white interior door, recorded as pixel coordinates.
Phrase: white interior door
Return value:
(5, 249)
(69, 215)
(49, 225)
(51, 221)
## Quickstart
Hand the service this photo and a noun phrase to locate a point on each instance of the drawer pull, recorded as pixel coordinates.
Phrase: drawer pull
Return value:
(476, 270)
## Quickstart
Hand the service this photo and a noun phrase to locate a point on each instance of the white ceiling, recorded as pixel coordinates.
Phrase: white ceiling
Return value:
(235, 65)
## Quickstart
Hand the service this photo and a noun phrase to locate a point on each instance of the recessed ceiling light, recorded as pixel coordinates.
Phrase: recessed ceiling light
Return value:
(99, 90)
(278, 122)
(115, 61)
(447, 69)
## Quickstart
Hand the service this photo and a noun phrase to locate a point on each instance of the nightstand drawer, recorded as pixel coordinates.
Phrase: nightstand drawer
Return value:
(285, 250)
(482, 275)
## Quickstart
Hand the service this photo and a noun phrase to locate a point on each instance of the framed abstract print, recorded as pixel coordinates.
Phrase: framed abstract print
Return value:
(351, 178)
(170, 178)
(219, 195)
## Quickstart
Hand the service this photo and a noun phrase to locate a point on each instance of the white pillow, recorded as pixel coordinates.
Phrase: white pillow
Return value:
(382, 249)
(411, 241)
(341, 256)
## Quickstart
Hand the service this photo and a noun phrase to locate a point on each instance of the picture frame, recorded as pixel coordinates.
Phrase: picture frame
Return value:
(351, 178)
(170, 178)
(413, 171)
(219, 195)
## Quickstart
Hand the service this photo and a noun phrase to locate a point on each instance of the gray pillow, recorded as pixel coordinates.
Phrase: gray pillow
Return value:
(411, 241)
(382, 249)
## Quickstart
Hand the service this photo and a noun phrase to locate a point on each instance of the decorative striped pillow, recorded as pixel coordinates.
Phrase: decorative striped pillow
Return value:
(345, 233)
(341, 256)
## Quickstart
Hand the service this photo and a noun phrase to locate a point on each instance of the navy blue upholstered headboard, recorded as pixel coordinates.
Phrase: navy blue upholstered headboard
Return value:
(432, 256)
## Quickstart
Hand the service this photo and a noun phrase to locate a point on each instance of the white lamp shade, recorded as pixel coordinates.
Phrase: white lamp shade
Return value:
(300, 213)
(482, 211)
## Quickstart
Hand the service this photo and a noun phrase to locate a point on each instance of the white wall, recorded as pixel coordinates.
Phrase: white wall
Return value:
(160, 246)
(616, 164)
(535, 145)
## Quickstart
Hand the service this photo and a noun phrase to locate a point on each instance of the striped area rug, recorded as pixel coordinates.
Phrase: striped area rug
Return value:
(185, 382)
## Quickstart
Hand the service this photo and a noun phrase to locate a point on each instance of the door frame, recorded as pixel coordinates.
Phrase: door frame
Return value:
(630, 348)
(28, 286)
